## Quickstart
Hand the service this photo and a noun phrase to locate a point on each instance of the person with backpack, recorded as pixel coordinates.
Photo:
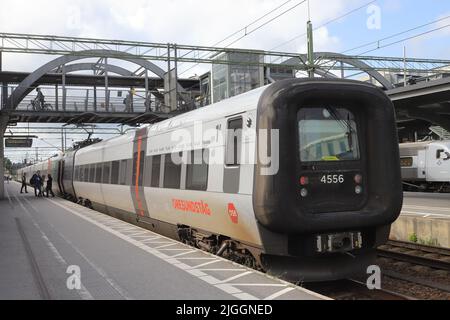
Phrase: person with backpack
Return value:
(33, 183)
(39, 183)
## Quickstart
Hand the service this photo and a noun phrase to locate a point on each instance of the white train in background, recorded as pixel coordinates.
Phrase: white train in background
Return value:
(426, 166)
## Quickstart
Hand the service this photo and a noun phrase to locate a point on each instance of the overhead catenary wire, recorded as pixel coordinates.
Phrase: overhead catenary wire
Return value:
(266, 23)
(252, 23)
(398, 34)
(247, 33)
(325, 24)
(399, 41)
(243, 28)
(406, 39)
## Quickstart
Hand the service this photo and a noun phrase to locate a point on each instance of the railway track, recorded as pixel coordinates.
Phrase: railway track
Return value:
(350, 289)
(427, 256)
(419, 265)
(433, 258)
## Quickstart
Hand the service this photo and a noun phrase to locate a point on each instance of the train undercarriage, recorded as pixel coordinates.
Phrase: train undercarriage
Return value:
(221, 246)
(424, 186)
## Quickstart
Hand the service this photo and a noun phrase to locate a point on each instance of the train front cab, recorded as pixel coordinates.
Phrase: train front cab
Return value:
(338, 187)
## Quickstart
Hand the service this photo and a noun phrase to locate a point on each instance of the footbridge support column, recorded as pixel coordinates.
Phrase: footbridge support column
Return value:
(3, 125)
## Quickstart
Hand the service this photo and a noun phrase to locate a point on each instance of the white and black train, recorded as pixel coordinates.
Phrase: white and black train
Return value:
(426, 166)
(310, 202)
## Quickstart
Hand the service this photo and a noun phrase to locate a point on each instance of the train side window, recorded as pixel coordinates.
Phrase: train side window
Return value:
(123, 172)
(80, 173)
(234, 139)
(148, 171)
(406, 162)
(98, 173)
(197, 170)
(129, 172)
(141, 168)
(86, 173)
(106, 172)
(115, 171)
(156, 168)
(92, 173)
(172, 172)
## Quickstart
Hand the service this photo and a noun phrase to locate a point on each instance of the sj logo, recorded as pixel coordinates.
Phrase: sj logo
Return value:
(232, 212)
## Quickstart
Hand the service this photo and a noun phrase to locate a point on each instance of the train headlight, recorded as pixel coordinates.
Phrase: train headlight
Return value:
(358, 190)
(358, 179)
(304, 181)
(304, 193)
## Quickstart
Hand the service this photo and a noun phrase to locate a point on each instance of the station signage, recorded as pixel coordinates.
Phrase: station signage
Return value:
(18, 142)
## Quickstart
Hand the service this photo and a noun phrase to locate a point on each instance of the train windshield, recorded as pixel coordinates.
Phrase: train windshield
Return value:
(327, 134)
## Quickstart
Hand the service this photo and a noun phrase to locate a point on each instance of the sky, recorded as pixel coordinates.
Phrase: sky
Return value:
(205, 22)
(201, 22)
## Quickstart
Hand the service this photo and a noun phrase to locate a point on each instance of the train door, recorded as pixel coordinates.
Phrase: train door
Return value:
(233, 148)
(61, 177)
(137, 186)
(421, 164)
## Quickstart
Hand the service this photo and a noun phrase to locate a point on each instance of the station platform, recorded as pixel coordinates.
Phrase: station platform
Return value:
(425, 219)
(45, 244)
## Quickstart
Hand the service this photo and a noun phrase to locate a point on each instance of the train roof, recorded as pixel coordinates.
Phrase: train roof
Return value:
(423, 144)
(235, 105)
(413, 145)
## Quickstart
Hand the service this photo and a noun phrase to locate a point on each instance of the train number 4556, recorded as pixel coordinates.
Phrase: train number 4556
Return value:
(333, 179)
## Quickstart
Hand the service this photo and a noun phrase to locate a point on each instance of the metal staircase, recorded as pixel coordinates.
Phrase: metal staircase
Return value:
(440, 132)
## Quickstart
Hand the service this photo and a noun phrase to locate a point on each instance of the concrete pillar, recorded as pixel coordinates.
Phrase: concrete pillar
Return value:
(86, 101)
(106, 86)
(64, 91)
(95, 98)
(56, 98)
(147, 94)
(4, 94)
(3, 125)
(167, 88)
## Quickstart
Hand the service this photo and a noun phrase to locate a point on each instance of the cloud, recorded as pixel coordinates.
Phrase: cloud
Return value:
(193, 22)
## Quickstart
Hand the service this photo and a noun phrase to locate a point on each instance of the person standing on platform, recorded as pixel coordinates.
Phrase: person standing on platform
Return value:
(48, 189)
(42, 191)
(33, 183)
(38, 184)
(24, 183)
